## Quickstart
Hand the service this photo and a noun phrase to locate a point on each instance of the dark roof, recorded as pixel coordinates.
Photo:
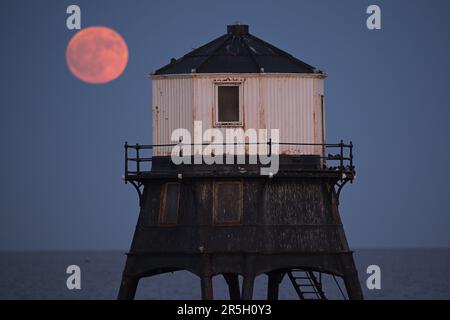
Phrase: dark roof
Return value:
(237, 51)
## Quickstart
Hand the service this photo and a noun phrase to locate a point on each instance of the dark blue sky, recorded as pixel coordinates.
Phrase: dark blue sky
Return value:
(61, 139)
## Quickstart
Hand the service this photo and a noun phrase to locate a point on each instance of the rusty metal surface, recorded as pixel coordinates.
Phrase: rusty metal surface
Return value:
(277, 216)
(286, 224)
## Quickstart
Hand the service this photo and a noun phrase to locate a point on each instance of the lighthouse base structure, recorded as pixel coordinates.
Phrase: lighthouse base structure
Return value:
(207, 266)
(240, 225)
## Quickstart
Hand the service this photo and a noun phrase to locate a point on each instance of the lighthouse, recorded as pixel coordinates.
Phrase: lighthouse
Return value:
(238, 180)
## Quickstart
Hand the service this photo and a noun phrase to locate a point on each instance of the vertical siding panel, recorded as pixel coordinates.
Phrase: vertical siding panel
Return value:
(173, 97)
(289, 103)
(252, 103)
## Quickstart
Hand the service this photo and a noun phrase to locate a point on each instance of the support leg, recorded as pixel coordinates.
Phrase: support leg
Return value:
(233, 285)
(207, 288)
(128, 288)
(353, 286)
(247, 287)
(273, 284)
(351, 280)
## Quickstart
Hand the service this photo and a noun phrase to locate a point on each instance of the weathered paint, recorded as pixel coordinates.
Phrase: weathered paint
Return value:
(288, 102)
(286, 223)
(171, 109)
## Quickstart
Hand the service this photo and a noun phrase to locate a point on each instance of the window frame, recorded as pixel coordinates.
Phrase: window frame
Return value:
(162, 206)
(240, 122)
(216, 185)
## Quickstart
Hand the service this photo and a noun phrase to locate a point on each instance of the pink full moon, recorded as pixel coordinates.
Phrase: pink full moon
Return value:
(97, 55)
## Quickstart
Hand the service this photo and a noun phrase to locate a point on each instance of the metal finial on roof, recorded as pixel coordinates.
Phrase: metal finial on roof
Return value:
(237, 29)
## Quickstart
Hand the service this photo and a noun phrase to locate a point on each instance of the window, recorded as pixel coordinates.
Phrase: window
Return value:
(228, 104)
(170, 197)
(228, 202)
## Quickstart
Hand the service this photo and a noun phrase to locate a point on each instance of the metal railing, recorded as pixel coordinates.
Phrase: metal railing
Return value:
(342, 159)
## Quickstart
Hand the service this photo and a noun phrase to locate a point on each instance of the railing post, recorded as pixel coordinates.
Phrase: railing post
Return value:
(341, 160)
(126, 161)
(138, 160)
(224, 151)
(270, 147)
(324, 151)
(351, 156)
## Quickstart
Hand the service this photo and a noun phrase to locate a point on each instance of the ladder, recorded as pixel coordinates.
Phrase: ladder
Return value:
(306, 284)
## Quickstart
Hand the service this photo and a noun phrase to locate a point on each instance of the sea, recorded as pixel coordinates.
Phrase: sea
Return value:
(404, 274)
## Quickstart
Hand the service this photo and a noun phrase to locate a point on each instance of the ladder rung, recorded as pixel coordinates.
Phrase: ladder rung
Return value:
(306, 280)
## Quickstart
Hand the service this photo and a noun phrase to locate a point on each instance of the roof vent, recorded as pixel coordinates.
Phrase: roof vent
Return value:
(237, 29)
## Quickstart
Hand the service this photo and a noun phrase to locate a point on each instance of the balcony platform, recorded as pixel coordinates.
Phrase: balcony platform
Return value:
(338, 166)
